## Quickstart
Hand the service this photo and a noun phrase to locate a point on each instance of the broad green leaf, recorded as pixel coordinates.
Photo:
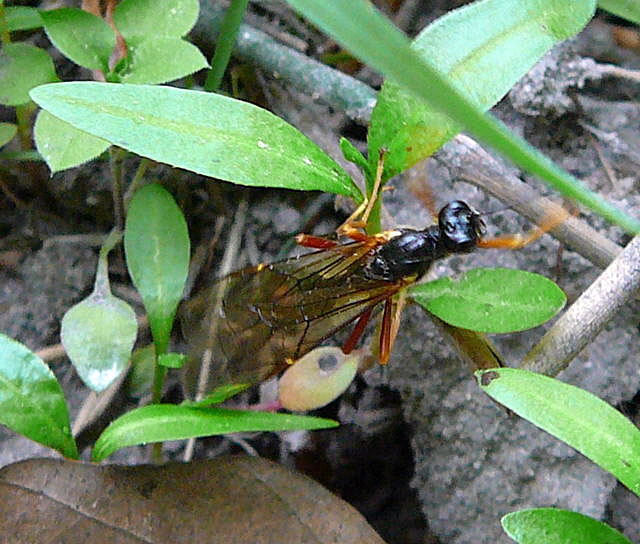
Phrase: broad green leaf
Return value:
(62, 145)
(492, 300)
(555, 526)
(162, 59)
(139, 20)
(80, 36)
(483, 49)
(627, 9)
(7, 132)
(23, 67)
(207, 133)
(98, 333)
(156, 243)
(368, 35)
(582, 420)
(22, 18)
(31, 400)
(161, 422)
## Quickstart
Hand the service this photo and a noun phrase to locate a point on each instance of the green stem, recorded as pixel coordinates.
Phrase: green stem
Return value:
(5, 36)
(24, 113)
(226, 40)
(309, 76)
(136, 182)
(116, 155)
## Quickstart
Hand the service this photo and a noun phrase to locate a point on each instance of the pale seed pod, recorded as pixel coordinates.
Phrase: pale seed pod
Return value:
(318, 378)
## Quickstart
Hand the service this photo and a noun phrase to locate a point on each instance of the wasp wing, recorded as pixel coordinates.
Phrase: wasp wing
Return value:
(253, 321)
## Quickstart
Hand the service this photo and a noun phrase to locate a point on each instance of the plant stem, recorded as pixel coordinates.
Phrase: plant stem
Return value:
(24, 113)
(136, 182)
(115, 156)
(332, 87)
(5, 36)
(226, 39)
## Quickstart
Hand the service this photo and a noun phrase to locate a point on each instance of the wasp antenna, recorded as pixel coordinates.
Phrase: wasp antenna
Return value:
(420, 187)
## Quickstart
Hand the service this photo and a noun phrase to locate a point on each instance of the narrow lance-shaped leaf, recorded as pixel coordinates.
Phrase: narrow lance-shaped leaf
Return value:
(98, 333)
(206, 133)
(162, 422)
(31, 400)
(156, 243)
(582, 420)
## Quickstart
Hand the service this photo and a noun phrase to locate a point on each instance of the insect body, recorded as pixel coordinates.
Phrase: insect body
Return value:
(412, 252)
(252, 322)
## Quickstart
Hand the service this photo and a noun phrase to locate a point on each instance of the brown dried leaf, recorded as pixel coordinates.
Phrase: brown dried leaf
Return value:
(224, 500)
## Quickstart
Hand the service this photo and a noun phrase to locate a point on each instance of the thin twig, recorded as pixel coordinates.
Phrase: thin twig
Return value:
(586, 317)
(613, 70)
(228, 259)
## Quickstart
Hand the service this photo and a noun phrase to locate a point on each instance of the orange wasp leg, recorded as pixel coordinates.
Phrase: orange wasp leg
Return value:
(390, 325)
(357, 331)
(315, 242)
(358, 219)
(518, 241)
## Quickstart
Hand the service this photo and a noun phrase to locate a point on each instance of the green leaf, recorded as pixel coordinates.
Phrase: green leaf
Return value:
(23, 67)
(161, 422)
(203, 132)
(573, 415)
(373, 39)
(139, 20)
(627, 9)
(218, 395)
(7, 132)
(172, 360)
(140, 377)
(162, 59)
(555, 526)
(22, 18)
(156, 243)
(483, 49)
(351, 153)
(31, 400)
(80, 36)
(98, 333)
(492, 300)
(62, 145)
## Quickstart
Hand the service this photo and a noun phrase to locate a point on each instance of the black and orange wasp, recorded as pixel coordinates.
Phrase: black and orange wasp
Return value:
(253, 323)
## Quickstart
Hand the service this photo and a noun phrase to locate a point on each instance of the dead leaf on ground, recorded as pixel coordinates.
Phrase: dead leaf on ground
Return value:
(226, 500)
